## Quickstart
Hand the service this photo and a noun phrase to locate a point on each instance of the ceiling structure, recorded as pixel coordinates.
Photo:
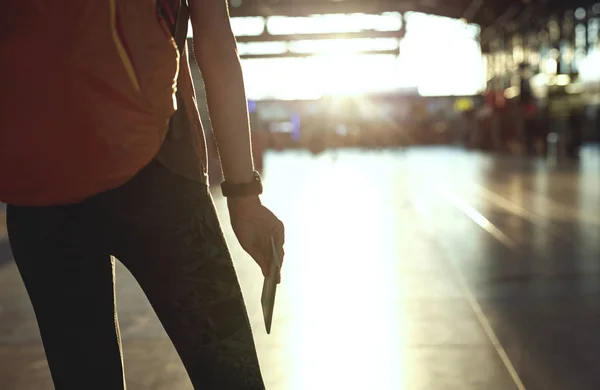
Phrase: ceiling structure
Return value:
(486, 13)
(493, 17)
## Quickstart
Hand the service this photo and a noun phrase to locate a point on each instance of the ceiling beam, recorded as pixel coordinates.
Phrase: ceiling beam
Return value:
(266, 37)
(292, 8)
(472, 10)
(394, 52)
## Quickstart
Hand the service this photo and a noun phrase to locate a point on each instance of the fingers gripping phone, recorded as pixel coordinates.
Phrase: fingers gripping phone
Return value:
(270, 286)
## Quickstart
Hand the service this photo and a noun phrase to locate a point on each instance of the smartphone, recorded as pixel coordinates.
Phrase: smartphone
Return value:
(270, 287)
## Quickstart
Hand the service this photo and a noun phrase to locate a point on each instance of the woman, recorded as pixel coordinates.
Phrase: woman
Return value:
(162, 225)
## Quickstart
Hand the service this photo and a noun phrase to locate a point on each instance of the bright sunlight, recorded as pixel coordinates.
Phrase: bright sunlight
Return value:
(438, 56)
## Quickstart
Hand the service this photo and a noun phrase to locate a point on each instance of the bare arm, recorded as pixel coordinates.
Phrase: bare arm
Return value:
(216, 54)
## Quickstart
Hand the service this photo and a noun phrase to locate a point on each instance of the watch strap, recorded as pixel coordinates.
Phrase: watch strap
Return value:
(254, 187)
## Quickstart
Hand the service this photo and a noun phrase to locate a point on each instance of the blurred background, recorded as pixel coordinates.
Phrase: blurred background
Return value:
(437, 165)
(512, 77)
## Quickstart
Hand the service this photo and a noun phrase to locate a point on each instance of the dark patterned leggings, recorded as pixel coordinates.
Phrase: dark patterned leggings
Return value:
(165, 230)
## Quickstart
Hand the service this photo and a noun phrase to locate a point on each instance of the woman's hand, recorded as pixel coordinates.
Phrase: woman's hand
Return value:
(254, 224)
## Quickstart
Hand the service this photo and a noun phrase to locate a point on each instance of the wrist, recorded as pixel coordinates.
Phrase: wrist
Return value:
(250, 188)
(239, 204)
(240, 177)
(243, 200)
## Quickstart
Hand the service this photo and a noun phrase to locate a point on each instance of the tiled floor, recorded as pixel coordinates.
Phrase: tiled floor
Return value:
(425, 269)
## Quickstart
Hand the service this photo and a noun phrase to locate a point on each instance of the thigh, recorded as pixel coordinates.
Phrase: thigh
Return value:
(69, 278)
(172, 243)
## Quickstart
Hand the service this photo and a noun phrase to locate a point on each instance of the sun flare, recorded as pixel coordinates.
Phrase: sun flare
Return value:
(427, 62)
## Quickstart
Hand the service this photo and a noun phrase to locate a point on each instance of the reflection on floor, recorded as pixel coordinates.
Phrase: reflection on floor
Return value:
(422, 269)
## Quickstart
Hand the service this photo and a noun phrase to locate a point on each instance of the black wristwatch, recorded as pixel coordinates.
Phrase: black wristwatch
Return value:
(232, 190)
